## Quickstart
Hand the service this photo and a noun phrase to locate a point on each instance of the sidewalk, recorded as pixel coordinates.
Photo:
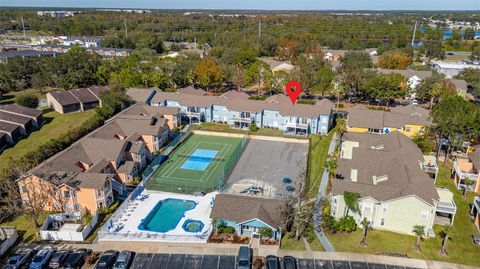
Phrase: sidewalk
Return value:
(321, 193)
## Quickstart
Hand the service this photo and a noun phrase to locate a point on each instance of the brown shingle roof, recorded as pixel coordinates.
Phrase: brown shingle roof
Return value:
(191, 90)
(397, 117)
(14, 118)
(140, 95)
(395, 157)
(407, 73)
(8, 127)
(84, 95)
(243, 208)
(98, 90)
(64, 97)
(14, 108)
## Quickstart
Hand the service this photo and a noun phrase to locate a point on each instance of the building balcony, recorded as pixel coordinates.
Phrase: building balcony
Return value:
(476, 203)
(429, 165)
(240, 119)
(192, 114)
(296, 125)
(462, 174)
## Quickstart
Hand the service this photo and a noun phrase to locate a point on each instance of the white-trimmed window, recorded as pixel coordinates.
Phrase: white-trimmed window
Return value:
(382, 222)
(424, 214)
(385, 208)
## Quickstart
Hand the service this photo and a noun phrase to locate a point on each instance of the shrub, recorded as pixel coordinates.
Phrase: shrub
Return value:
(253, 127)
(227, 230)
(27, 100)
(424, 143)
(346, 224)
(306, 102)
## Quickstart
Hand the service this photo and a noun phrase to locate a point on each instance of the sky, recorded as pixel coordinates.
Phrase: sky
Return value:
(258, 4)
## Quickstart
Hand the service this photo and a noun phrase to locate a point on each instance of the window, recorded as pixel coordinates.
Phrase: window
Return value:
(66, 194)
(407, 129)
(304, 120)
(324, 120)
(24, 189)
(424, 215)
(385, 208)
(382, 222)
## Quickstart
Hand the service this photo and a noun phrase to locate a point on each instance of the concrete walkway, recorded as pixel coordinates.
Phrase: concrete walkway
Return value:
(321, 193)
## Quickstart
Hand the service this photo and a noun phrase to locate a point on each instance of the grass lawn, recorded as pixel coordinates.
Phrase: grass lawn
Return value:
(26, 227)
(318, 153)
(292, 244)
(218, 127)
(460, 247)
(10, 97)
(102, 219)
(55, 126)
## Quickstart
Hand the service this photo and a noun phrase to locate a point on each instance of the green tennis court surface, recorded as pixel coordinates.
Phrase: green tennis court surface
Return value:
(199, 164)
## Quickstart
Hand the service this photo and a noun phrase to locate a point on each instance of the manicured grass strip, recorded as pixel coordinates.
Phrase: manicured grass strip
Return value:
(56, 125)
(318, 153)
(26, 227)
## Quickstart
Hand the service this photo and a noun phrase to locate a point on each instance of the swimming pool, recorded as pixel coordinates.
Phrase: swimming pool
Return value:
(166, 215)
(192, 226)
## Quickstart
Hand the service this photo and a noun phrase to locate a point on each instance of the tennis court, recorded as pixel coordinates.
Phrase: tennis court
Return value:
(198, 164)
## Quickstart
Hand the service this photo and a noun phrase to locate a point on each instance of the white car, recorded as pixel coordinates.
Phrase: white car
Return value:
(415, 102)
(41, 259)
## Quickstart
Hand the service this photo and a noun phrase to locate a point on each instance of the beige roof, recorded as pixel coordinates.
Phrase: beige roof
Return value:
(191, 90)
(141, 109)
(407, 73)
(243, 208)
(378, 119)
(140, 95)
(89, 180)
(393, 157)
(64, 97)
(475, 157)
(460, 84)
(274, 63)
(84, 95)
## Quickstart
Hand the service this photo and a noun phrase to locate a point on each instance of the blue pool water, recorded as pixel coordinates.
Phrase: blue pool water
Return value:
(199, 160)
(166, 215)
(192, 226)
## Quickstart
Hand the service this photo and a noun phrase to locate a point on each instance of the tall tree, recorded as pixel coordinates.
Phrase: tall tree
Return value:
(456, 119)
(208, 74)
(394, 60)
(77, 68)
(419, 232)
(430, 89)
(287, 49)
(259, 73)
(385, 87)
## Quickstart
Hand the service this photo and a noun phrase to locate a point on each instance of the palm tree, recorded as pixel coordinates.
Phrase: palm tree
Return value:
(446, 233)
(419, 231)
(367, 226)
(216, 222)
(351, 201)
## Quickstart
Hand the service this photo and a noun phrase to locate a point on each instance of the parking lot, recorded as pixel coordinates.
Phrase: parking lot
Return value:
(187, 261)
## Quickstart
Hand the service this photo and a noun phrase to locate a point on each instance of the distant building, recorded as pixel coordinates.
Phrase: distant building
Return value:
(83, 42)
(276, 65)
(75, 100)
(5, 56)
(414, 78)
(59, 13)
(16, 122)
(452, 69)
(103, 52)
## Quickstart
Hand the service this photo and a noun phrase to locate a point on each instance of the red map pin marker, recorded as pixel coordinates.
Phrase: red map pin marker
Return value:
(293, 89)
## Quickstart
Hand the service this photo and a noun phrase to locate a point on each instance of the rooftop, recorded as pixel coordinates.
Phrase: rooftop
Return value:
(384, 167)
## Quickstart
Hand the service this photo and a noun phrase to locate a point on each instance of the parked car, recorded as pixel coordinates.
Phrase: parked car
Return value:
(59, 258)
(272, 262)
(124, 260)
(107, 260)
(76, 259)
(289, 262)
(18, 259)
(42, 258)
(244, 258)
(476, 239)
(415, 102)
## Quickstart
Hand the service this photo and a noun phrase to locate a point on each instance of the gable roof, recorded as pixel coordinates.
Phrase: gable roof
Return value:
(191, 90)
(276, 63)
(14, 118)
(65, 98)
(407, 73)
(243, 208)
(25, 111)
(84, 95)
(8, 127)
(378, 119)
(392, 157)
(140, 95)
(140, 109)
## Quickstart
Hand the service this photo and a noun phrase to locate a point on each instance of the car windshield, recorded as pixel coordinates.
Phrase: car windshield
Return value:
(243, 263)
(13, 260)
(120, 264)
(38, 258)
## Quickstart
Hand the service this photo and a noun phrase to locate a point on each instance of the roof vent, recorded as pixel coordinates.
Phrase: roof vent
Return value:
(354, 175)
(153, 121)
(378, 147)
(378, 179)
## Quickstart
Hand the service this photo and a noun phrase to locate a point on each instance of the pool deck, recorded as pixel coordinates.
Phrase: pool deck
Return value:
(126, 227)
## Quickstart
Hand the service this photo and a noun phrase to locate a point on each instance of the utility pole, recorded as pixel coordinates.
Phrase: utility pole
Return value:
(126, 30)
(23, 26)
(414, 31)
(260, 28)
